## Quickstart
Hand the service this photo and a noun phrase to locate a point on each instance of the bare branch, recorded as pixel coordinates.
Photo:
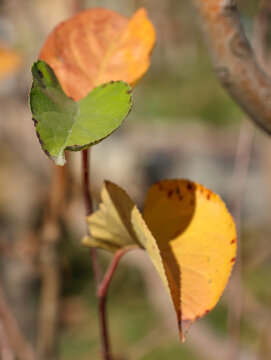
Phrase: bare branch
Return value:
(242, 161)
(15, 337)
(234, 60)
(49, 265)
(5, 351)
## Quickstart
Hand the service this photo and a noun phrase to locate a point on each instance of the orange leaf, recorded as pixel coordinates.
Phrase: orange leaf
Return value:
(99, 45)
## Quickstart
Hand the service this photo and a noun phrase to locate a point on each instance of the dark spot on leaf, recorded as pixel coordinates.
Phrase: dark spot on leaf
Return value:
(178, 191)
(233, 241)
(233, 259)
(40, 74)
(129, 92)
(181, 197)
(208, 195)
(112, 82)
(191, 202)
(207, 312)
(104, 85)
(169, 194)
(189, 186)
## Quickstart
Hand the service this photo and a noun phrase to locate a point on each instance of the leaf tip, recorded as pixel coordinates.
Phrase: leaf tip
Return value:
(43, 74)
(184, 326)
(59, 160)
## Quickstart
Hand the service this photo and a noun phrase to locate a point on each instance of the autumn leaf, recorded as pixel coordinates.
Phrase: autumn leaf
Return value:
(188, 233)
(99, 45)
(9, 61)
(64, 124)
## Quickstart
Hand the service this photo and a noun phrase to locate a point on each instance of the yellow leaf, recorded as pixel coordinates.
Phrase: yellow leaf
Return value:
(186, 230)
(110, 225)
(99, 45)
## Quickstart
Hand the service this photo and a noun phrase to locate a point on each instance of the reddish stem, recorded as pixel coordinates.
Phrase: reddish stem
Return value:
(94, 258)
(86, 182)
(89, 209)
(102, 296)
(15, 336)
(102, 287)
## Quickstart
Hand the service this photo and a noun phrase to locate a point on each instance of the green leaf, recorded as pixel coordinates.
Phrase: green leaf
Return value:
(64, 124)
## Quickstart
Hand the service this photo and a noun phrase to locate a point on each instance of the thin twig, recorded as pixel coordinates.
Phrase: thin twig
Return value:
(94, 257)
(5, 350)
(234, 60)
(102, 296)
(102, 287)
(235, 303)
(243, 156)
(89, 208)
(16, 339)
(49, 266)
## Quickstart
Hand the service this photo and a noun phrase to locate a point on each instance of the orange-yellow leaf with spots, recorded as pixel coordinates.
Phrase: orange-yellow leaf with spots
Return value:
(99, 45)
(197, 240)
(188, 233)
(9, 61)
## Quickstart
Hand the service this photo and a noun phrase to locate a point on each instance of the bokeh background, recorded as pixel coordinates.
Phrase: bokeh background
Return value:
(183, 125)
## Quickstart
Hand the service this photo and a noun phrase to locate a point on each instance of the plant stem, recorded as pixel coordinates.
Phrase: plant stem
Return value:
(94, 258)
(234, 61)
(101, 286)
(102, 296)
(104, 286)
(86, 182)
(89, 209)
(49, 266)
(6, 352)
(242, 161)
(235, 302)
(16, 339)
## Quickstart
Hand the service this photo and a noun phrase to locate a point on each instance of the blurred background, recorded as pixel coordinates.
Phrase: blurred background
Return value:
(183, 125)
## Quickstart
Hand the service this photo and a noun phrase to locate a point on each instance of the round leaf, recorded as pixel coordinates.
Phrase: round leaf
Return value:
(196, 236)
(99, 45)
(64, 124)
